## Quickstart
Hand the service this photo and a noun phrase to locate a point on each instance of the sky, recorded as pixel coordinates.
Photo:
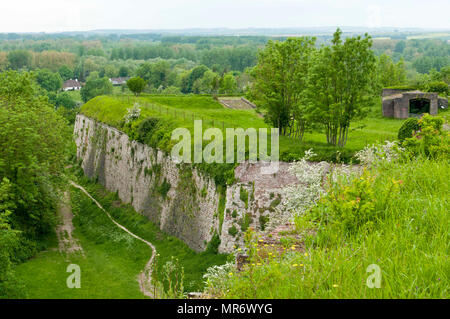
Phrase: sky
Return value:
(84, 15)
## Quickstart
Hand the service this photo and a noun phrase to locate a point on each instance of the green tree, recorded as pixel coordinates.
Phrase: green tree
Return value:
(48, 80)
(228, 84)
(33, 142)
(340, 85)
(438, 87)
(187, 83)
(65, 72)
(136, 85)
(19, 59)
(95, 86)
(64, 99)
(204, 85)
(123, 71)
(280, 80)
(390, 73)
(111, 71)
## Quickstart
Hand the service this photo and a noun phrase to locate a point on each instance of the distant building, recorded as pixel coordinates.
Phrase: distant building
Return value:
(119, 81)
(402, 104)
(71, 85)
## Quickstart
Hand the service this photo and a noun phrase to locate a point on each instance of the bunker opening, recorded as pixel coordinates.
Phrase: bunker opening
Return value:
(419, 106)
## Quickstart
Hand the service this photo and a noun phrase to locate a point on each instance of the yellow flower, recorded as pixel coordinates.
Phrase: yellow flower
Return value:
(335, 286)
(294, 265)
(258, 264)
(306, 254)
(231, 274)
(301, 265)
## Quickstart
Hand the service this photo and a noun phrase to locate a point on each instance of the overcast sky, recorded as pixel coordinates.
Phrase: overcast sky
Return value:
(72, 15)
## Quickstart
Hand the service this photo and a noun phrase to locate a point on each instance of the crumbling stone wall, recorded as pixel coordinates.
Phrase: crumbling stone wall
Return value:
(177, 197)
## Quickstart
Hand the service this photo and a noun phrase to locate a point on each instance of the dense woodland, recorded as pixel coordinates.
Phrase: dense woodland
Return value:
(193, 64)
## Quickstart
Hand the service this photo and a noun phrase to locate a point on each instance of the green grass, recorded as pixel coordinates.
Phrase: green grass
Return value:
(180, 111)
(409, 240)
(112, 260)
(194, 264)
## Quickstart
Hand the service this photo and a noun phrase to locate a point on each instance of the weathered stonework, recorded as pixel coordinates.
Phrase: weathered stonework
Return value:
(177, 197)
(397, 103)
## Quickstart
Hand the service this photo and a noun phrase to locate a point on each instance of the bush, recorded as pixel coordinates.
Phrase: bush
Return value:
(354, 207)
(164, 188)
(213, 245)
(232, 231)
(408, 128)
(438, 87)
(431, 141)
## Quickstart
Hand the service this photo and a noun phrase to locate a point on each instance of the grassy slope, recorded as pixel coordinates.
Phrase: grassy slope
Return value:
(410, 243)
(194, 264)
(178, 111)
(112, 260)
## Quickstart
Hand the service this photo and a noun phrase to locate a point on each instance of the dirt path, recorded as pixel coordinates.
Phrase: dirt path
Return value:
(66, 242)
(145, 277)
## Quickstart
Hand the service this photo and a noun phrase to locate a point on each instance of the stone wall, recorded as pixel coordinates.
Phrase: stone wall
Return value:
(177, 197)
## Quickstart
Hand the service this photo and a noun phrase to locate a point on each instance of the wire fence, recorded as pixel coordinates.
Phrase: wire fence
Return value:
(179, 113)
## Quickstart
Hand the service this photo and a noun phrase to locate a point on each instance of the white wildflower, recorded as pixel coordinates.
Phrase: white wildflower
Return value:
(133, 113)
(379, 153)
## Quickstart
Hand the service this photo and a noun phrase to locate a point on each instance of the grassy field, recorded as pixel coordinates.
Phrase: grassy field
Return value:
(112, 259)
(111, 262)
(180, 111)
(409, 241)
(194, 264)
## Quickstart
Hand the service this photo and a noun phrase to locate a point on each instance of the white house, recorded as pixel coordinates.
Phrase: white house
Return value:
(71, 85)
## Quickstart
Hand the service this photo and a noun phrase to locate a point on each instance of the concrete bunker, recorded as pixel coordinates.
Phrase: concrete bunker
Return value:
(402, 104)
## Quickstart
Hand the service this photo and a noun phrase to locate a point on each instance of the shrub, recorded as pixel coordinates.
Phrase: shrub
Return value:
(133, 113)
(431, 141)
(408, 128)
(232, 231)
(353, 207)
(379, 153)
(146, 129)
(263, 221)
(438, 87)
(243, 195)
(164, 188)
(245, 221)
(213, 245)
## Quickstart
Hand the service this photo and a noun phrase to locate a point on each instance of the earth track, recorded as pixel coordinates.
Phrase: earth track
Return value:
(144, 278)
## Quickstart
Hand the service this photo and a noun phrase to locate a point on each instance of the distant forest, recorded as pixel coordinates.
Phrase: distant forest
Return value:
(183, 64)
